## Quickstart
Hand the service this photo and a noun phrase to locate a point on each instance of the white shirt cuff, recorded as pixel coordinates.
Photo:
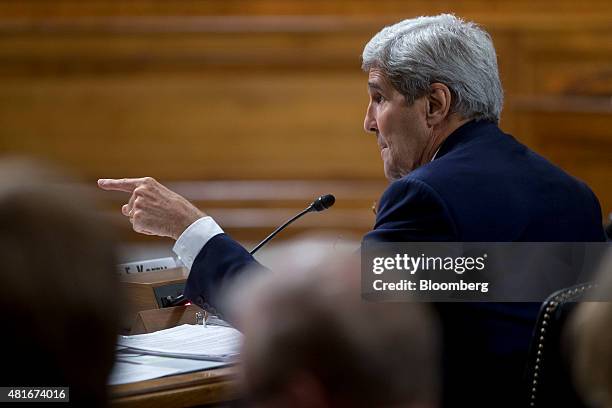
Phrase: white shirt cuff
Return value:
(193, 239)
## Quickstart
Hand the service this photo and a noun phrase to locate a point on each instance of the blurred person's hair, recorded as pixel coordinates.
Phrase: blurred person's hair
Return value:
(417, 52)
(591, 336)
(58, 289)
(307, 322)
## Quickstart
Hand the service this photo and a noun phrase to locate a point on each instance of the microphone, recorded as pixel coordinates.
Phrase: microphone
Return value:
(320, 204)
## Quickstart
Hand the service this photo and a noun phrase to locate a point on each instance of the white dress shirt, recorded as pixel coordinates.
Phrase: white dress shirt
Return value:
(193, 239)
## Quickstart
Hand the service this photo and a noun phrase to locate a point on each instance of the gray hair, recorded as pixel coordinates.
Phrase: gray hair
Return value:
(417, 52)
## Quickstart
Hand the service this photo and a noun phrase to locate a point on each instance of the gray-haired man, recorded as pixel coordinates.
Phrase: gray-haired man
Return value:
(435, 101)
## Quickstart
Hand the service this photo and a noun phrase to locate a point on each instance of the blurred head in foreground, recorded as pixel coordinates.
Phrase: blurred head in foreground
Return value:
(310, 340)
(591, 332)
(57, 285)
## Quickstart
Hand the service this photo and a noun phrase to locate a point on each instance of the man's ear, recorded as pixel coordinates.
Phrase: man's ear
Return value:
(438, 103)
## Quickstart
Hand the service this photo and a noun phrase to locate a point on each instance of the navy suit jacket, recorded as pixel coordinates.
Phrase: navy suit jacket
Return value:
(483, 186)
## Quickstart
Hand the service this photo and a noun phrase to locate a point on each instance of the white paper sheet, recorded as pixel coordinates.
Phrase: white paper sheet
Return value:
(185, 365)
(215, 343)
(132, 367)
(124, 373)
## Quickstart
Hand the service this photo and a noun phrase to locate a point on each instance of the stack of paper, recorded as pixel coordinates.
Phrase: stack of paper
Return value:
(131, 367)
(214, 343)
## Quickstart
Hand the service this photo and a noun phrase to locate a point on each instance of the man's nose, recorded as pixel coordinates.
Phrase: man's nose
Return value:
(369, 123)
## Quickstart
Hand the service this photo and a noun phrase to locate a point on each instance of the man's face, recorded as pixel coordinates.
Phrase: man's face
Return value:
(401, 129)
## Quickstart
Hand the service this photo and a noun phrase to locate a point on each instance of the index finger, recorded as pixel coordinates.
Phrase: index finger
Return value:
(126, 184)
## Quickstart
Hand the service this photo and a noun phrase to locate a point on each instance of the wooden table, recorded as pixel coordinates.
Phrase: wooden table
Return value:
(184, 390)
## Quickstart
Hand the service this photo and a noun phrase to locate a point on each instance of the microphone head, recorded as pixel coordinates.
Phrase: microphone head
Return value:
(323, 202)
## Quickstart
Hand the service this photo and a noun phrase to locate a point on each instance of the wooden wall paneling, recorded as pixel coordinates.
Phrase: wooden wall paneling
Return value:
(268, 90)
(198, 106)
(72, 8)
(205, 127)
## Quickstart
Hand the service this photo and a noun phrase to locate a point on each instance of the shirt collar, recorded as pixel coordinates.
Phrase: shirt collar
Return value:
(435, 154)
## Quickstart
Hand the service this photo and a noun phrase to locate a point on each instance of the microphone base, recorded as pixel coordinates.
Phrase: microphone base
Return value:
(147, 291)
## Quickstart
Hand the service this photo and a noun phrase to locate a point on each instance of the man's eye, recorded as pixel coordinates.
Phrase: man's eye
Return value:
(378, 98)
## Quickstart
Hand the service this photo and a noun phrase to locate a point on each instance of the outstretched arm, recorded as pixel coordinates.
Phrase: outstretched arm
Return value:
(215, 259)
